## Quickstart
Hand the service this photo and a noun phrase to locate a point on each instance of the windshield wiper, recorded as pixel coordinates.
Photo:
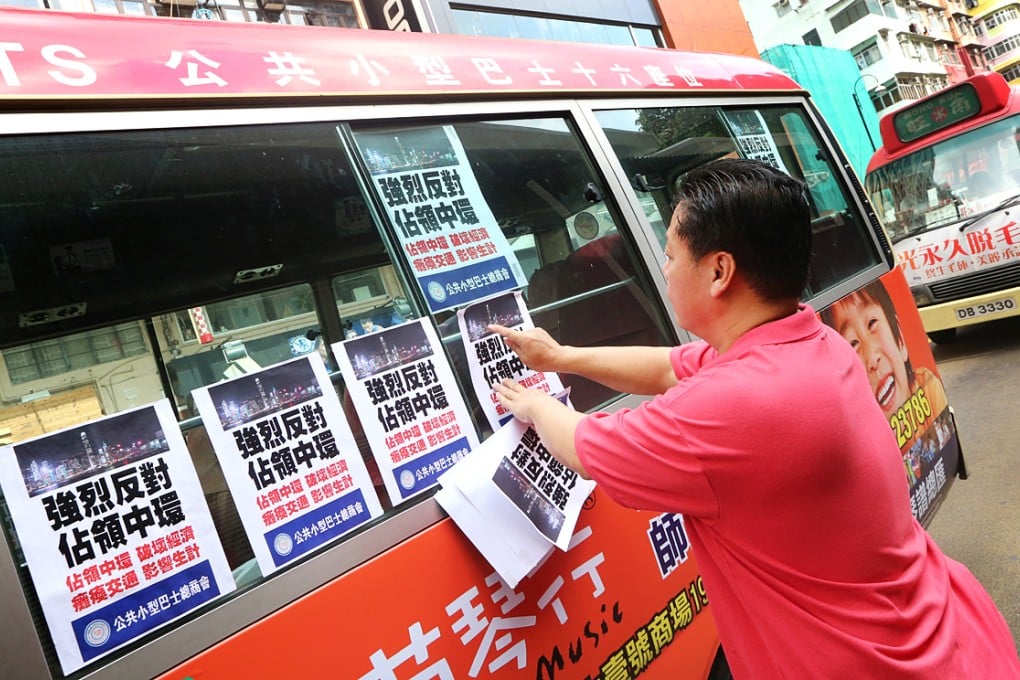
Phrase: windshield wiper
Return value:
(1008, 203)
(908, 233)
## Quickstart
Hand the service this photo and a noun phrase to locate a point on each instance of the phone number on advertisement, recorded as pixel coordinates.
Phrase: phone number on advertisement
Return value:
(993, 307)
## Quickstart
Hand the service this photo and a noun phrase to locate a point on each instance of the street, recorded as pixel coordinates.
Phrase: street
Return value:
(979, 524)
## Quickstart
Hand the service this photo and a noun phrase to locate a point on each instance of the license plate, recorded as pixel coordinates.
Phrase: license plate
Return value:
(993, 307)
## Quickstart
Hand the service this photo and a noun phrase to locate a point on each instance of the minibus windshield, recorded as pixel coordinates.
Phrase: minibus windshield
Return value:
(959, 179)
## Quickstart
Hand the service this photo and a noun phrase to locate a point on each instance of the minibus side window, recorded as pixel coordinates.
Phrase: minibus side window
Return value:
(658, 146)
(564, 235)
(142, 265)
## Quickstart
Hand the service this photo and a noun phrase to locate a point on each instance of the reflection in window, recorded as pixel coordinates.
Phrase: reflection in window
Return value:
(371, 299)
(503, 25)
(205, 344)
(51, 358)
(253, 310)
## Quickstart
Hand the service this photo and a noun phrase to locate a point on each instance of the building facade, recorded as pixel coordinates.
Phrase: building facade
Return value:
(688, 25)
(997, 25)
(905, 49)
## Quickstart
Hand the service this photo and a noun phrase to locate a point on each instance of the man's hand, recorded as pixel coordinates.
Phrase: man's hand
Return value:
(554, 421)
(519, 400)
(535, 347)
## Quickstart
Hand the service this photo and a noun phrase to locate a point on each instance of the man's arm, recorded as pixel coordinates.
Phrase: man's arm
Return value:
(634, 369)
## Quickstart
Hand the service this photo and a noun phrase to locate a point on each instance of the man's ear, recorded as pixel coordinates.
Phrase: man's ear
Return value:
(724, 269)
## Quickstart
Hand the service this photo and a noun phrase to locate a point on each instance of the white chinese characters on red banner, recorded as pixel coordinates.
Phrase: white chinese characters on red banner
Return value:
(42, 53)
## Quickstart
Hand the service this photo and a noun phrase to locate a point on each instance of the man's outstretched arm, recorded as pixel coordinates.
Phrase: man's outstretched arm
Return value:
(633, 369)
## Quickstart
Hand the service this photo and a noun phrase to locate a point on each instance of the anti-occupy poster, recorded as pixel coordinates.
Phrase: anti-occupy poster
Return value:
(490, 360)
(410, 407)
(115, 530)
(289, 457)
(446, 230)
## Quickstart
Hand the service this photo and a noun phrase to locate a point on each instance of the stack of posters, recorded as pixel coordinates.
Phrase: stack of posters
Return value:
(514, 501)
(510, 496)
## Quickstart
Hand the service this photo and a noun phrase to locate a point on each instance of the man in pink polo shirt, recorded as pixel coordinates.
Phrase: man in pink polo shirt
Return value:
(767, 437)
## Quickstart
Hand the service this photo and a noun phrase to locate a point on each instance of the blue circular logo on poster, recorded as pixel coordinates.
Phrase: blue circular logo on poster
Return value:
(97, 633)
(436, 291)
(282, 544)
(300, 345)
(407, 479)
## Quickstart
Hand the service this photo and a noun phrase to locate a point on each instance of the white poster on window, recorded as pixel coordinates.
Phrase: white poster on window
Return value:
(446, 230)
(413, 414)
(488, 357)
(289, 457)
(753, 137)
(115, 530)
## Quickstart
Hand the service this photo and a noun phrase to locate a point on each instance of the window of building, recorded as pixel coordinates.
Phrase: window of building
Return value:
(888, 8)
(1002, 47)
(50, 358)
(782, 8)
(812, 38)
(887, 97)
(645, 37)
(502, 25)
(1002, 16)
(1011, 73)
(867, 54)
(238, 14)
(856, 11)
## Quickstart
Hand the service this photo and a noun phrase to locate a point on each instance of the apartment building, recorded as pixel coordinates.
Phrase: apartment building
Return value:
(905, 49)
(997, 25)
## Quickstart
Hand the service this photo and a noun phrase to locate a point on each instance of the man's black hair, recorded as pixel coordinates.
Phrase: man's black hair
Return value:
(758, 214)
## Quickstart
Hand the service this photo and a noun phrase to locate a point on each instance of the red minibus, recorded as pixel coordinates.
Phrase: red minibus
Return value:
(943, 185)
(187, 205)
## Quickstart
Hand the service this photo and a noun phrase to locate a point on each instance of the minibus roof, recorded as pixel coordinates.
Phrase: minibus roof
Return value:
(48, 55)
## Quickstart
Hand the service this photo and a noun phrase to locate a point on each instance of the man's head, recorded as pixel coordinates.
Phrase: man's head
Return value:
(755, 212)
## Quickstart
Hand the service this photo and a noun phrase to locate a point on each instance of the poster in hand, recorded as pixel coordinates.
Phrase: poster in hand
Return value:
(488, 357)
(513, 488)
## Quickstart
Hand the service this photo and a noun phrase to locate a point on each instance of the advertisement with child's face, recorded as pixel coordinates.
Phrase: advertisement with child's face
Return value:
(881, 322)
